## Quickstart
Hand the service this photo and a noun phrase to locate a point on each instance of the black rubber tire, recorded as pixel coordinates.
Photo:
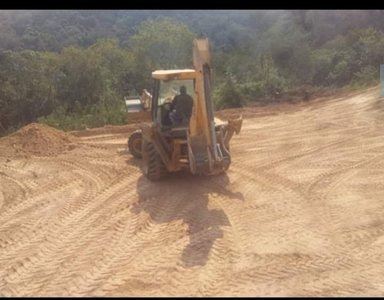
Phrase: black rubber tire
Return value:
(135, 143)
(153, 166)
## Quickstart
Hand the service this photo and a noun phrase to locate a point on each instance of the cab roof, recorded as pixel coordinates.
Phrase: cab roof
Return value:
(174, 74)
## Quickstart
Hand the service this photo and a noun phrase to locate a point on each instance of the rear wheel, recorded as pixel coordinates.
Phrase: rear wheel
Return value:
(153, 166)
(135, 143)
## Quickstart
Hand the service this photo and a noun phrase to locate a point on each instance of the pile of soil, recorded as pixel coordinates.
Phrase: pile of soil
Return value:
(38, 140)
(107, 129)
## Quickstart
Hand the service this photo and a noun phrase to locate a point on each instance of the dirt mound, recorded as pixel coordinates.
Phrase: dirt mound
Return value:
(37, 139)
(108, 129)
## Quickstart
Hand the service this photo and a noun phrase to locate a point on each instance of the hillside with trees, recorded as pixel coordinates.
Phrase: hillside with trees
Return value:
(71, 69)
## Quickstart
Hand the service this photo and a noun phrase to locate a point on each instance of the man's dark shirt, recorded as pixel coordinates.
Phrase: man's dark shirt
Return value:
(183, 104)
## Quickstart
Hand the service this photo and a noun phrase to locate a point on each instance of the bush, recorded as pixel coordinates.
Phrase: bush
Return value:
(92, 116)
(366, 77)
(253, 90)
(228, 95)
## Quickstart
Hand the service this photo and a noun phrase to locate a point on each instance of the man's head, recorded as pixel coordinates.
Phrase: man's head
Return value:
(183, 90)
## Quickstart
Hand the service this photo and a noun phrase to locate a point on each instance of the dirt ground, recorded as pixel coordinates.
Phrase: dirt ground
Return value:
(300, 212)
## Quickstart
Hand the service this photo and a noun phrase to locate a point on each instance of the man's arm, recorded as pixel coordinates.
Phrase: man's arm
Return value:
(173, 104)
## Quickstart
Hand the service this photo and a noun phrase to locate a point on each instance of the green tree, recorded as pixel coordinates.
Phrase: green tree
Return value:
(81, 82)
(117, 63)
(26, 86)
(161, 44)
(289, 45)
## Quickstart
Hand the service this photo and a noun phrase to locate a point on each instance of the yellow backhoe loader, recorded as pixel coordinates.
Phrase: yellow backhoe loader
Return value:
(200, 144)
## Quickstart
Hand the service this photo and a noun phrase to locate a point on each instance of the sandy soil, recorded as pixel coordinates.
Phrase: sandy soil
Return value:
(299, 213)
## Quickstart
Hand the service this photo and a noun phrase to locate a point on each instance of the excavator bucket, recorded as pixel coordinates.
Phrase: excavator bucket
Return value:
(138, 108)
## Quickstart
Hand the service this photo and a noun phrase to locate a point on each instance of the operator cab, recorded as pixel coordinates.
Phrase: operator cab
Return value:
(167, 86)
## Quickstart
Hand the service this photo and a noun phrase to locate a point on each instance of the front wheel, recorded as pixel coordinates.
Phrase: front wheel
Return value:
(135, 143)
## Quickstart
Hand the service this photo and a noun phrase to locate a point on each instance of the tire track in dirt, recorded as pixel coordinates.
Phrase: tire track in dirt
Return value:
(272, 176)
(57, 244)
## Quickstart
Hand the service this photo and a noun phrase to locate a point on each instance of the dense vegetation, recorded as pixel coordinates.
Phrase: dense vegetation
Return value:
(71, 69)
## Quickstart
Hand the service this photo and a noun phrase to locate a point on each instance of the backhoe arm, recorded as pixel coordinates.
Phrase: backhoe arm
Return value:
(207, 147)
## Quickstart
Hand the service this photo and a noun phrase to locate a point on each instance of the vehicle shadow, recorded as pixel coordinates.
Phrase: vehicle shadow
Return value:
(133, 161)
(183, 196)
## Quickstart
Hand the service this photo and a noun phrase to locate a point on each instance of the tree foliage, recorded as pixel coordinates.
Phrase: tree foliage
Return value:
(161, 44)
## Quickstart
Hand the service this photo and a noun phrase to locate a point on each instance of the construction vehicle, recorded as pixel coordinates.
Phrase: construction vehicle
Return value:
(201, 145)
